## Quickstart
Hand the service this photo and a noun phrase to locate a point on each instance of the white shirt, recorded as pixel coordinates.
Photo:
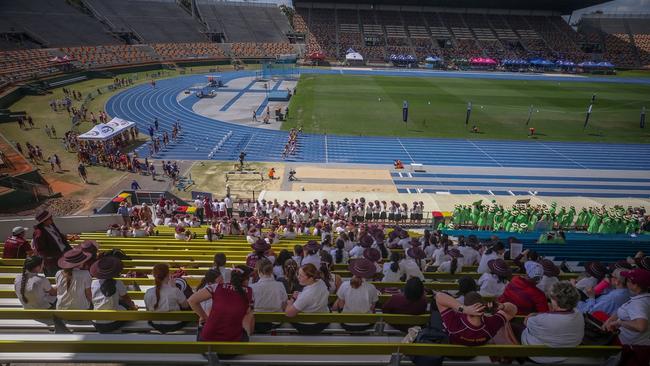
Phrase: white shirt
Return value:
(440, 256)
(225, 274)
(546, 283)
(358, 300)
(36, 291)
(313, 259)
(482, 265)
(346, 256)
(357, 251)
(313, 298)
(278, 272)
(170, 299)
(490, 286)
(554, 330)
(269, 295)
(470, 256)
(445, 267)
(389, 275)
(75, 297)
(101, 302)
(638, 307)
(411, 269)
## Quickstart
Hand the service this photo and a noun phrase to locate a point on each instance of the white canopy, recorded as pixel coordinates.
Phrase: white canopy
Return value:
(354, 56)
(105, 131)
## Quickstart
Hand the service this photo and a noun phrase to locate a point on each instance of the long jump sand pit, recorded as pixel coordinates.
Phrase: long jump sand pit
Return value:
(315, 178)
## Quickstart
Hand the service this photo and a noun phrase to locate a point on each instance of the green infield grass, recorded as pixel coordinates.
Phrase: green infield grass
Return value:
(372, 105)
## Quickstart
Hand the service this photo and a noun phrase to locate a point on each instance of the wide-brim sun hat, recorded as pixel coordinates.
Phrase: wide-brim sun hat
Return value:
(366, 241)
(415, 242)
(260, 245)
(43, 216)
(596, 269)
(643, 262)
(416, 253)
(106, 267)
(372, 254)
(550, 269)
(499, 267)
(362, 267)
(73, 258)
(312, 245)
(89, 246)
(455, 253)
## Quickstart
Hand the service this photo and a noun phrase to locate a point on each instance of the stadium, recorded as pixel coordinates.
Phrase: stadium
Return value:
(338, 182)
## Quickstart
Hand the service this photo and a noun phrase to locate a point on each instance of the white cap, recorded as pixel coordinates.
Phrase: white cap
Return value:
(18, 230)
(534, 269)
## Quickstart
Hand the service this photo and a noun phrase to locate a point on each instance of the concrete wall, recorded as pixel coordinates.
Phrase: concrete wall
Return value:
(67, 224)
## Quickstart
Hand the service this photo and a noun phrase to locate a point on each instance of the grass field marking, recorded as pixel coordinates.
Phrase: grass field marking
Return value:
(484, 153)
(562, 155)
(406, 151)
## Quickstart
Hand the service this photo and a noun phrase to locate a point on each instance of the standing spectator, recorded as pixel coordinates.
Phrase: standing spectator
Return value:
(135, 185)
(562, 327)
(152, 171)
(16, 246)
(82, 172)
(73, 281)
(57, 161)
(53, 130)
(228, 201)
(32, 289)
(631, 319)
(52, 161)
(231, 318)
(123, 211)
(48, 132)
(48, 242)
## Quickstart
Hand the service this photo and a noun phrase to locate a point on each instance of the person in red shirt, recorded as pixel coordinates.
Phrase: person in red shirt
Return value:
(412, 302)
(231, 317)
(466, 324)
(16, 246)
(523, 292)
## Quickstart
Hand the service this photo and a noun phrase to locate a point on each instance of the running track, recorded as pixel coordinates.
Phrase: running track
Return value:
(201, 135)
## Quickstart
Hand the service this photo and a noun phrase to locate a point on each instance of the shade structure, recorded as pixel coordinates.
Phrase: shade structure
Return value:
(106, 131)
(482, 61)
(317, 56)
(354, 56)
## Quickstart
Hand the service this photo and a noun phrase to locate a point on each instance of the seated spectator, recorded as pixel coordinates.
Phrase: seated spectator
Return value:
(609, 302)
(163, 297)
(290, 279)
(523, 292)
(114, 231)
(340, 255)
(412, 301)
(357, 295)
(563, 326)
(212, 232)
(298, 254)
(466, 285)
(412, 263)
(16, 246)
(182, 234)
(269, 294)
(32, 288)
(107, 293)
(452, 265)
(466, 323)
(312, 256)
(138, 230)
(594, 273)
(332, 280)
(231, 318)
(392, 270)
(278, 269)
(219, 264)
(551, 273)
(494, 282)
(211, 279)
(73, 281)
(312, 299)
(497, 250)
(260, 247)
(631, 319)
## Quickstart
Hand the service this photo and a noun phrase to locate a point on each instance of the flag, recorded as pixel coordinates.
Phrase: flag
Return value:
(469, 112)
(405, 111)
(642, 121)
(588, 115)
(530, 114)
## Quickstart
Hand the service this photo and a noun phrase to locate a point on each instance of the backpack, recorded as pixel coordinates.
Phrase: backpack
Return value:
(433, 333)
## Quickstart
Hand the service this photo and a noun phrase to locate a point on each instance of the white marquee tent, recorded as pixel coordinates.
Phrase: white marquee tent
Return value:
(106, 131)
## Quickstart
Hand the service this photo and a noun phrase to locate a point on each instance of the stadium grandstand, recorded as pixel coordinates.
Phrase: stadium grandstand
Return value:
(337, 182)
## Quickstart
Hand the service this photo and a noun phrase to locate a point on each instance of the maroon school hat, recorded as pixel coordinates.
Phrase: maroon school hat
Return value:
(363, 268)
(455, 253)
(499, 267)
(643, 262)
(73, 258)
(638, 276)
(108, 266)
(312, 245)
(550, 269)
(372, 254)
(260, 245)
(416, 253)
(596, 269)
(366, 241)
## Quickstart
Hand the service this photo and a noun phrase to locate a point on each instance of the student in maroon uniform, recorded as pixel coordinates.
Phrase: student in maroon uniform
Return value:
(231, 318)
(16, 246)
(467, 324)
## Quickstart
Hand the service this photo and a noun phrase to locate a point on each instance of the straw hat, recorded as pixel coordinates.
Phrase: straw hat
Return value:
(372, 254)
(43, 216)
(260, 245)
(499, 267)
(550, 269)
(312, 245)
(363, 268)
(416, 253)
(106, 267)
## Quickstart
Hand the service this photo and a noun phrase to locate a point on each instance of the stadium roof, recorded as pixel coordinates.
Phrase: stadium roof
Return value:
(563, 6)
